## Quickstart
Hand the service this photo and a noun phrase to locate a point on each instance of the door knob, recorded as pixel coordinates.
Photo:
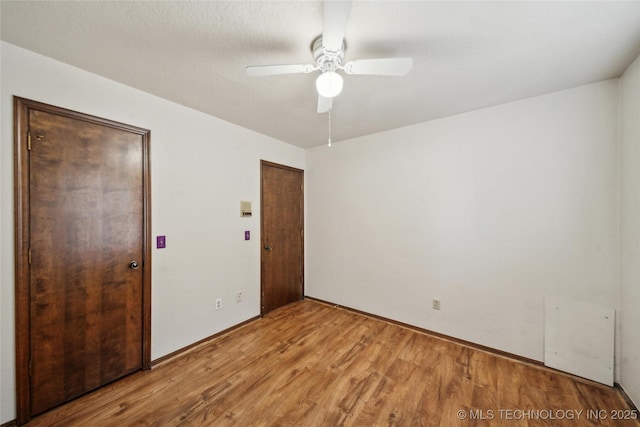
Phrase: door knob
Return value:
(267, 248)
(134, 265)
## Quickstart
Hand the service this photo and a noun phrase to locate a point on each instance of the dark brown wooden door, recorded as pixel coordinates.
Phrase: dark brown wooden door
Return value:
(86, 229)
(282, 236)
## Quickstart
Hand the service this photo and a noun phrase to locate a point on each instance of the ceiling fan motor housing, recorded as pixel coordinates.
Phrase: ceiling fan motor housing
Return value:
(327, 60)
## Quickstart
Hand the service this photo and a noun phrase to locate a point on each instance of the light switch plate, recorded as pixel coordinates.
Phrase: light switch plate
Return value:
(247, 235)
(161, 242)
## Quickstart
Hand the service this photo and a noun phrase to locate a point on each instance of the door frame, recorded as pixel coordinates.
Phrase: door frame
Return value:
(21, 108)
(264, 163)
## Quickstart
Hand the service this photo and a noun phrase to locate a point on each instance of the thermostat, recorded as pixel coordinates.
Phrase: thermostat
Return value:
(245, 208)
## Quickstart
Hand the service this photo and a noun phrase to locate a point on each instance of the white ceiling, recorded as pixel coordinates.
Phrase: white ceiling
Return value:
(467, 55)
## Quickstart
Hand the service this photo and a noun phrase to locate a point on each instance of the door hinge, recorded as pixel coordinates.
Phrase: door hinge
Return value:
(29, 255)
(28, 140)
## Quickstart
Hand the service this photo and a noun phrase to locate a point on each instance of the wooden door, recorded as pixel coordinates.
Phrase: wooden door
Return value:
(282, 236)
(85, 224)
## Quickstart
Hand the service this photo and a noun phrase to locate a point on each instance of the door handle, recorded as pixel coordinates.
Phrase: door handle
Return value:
(134, 265)
(267, 248)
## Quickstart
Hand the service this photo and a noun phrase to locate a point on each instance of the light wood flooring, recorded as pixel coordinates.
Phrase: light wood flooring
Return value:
(311, 364)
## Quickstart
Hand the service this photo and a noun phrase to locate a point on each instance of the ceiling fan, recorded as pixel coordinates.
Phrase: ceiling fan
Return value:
(328, 53)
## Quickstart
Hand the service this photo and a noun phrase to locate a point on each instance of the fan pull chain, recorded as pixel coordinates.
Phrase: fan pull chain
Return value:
(329, 128)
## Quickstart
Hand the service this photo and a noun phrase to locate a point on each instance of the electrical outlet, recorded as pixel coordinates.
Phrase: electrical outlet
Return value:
(238, 296)
(218, 303)
(436, 304)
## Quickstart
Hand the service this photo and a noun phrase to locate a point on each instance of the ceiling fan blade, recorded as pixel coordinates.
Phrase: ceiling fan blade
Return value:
(324, 104)
(380, 66)
(334, 22)
(272, 70)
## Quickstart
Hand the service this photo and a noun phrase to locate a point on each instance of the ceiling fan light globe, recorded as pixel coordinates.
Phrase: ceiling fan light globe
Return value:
(329, 84)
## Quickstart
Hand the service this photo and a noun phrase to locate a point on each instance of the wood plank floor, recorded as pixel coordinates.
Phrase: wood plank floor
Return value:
(310, 364)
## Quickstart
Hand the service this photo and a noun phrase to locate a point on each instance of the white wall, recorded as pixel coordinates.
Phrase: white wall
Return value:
(487, 211)
(629, 357)
(201, 167)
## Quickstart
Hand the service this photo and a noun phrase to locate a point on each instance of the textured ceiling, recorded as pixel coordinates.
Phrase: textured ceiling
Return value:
(467, 55)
